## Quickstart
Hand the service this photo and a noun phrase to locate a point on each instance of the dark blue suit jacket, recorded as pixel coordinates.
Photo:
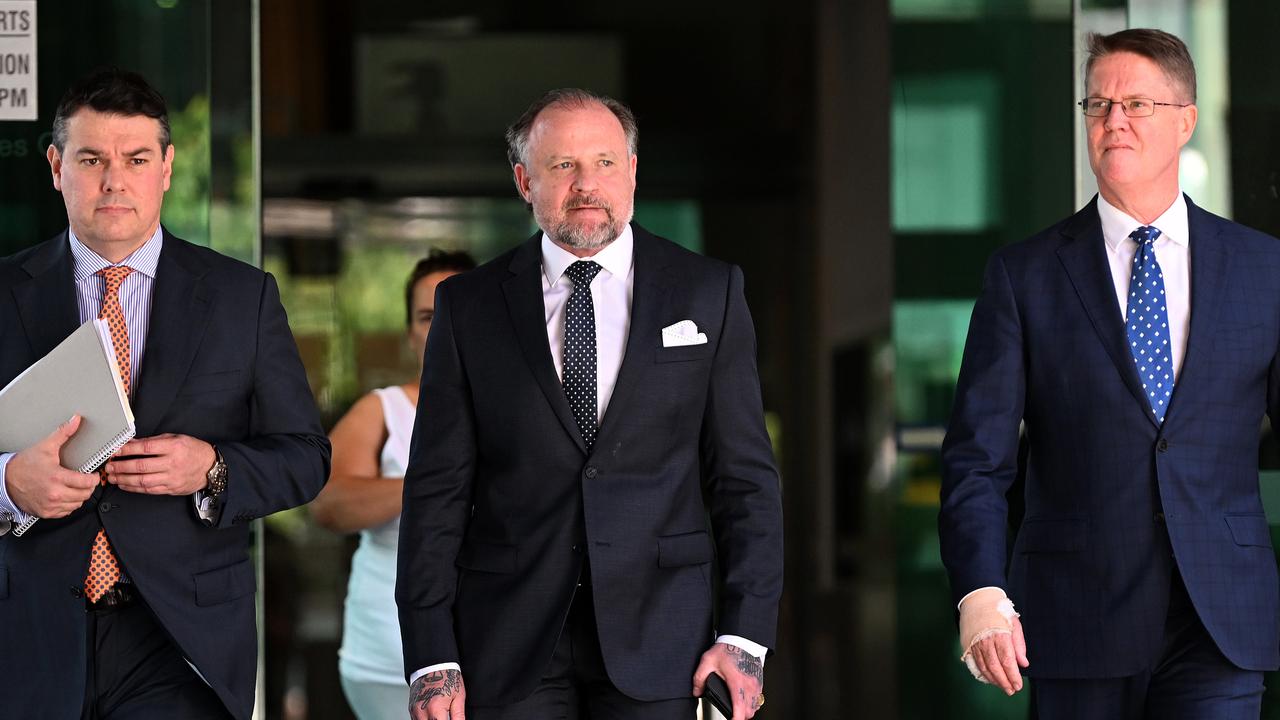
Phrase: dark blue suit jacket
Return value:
(220, 365)
(1113, 501)
(502, 502)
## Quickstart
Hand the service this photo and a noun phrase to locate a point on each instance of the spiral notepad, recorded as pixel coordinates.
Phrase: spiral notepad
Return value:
(78, 377)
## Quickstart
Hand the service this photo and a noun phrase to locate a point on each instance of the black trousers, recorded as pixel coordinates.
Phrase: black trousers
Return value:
(136, 672)
(576, 685)
(1191, 680)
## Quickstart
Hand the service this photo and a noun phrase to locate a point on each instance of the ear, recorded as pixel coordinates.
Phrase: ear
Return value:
(55, 166)
(523, 178)
(1187, 124)
(168, 165)
(634, 160)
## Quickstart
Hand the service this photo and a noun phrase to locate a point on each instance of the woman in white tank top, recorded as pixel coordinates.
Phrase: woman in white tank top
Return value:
(370, 453)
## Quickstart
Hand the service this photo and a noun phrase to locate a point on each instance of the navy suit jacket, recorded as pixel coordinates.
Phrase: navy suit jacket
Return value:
(1114, 501)
(220, 365)
(502, 502)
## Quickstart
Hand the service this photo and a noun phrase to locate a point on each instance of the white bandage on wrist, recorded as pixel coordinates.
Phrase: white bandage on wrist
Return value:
(982, 615)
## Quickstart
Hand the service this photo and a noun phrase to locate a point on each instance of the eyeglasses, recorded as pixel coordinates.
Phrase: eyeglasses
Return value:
(1132, 107)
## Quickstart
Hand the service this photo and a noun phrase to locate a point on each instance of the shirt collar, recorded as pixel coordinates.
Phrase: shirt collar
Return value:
(143, 260)
(1118, 225)
(616, 257)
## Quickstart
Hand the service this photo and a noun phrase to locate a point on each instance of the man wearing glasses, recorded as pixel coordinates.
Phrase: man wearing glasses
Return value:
(1134, 345)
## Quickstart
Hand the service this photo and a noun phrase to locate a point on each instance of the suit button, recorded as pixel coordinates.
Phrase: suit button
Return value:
(1159, 518)
(591, 472)
(105, 507)
(577, 548)
(76, 591)
(1163, 445)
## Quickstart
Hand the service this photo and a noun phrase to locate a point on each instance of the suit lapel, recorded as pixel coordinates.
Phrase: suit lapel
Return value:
(1084, 257)
(523, 292)
(179, 313)
(1210, 262)
(47, 302)
(650, 289)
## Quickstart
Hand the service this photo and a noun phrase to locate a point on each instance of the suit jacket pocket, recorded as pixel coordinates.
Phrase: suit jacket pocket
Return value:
(1249, 530)
(1241, 338)
(692, 548)
(1052, 535)
(225, 584)
(487, 557)
(210, 382)
(682, 353)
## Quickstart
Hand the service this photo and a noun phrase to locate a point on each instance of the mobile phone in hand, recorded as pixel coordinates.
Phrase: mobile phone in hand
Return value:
(716, 690)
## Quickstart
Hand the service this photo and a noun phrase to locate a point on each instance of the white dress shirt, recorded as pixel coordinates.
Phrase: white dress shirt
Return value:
(611, 293)
(1172, 250)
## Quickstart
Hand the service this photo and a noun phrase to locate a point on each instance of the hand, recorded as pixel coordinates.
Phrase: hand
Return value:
(438, 695)
(992, 637)
(162, 465)
(742, 672)
(38, 484)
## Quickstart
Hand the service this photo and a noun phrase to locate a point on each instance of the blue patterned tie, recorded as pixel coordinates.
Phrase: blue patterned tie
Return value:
(580, 350)
(1147, 322)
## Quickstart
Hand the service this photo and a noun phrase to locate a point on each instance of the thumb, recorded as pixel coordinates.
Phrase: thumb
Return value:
(63, 432)
(458, 707)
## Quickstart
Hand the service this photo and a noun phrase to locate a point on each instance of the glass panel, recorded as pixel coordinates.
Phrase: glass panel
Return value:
(982, 157)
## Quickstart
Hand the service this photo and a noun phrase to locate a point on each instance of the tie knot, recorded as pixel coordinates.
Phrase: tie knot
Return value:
(115, 275)
(1145, 235)
(583, 272)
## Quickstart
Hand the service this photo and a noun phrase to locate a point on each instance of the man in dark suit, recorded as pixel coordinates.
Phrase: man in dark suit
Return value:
(1136, 344)
(589, 400)
(133, 596)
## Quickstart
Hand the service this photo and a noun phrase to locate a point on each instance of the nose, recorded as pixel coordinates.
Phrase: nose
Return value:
(1115, 117)
(584, 180)
(110, 179)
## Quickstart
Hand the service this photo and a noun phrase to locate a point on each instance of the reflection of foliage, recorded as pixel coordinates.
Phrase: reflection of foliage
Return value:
(226, 224)
(186, 205)
(233, 222)
(373, 281)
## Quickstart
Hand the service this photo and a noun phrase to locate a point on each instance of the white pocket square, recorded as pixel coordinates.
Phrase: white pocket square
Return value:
(682, 333)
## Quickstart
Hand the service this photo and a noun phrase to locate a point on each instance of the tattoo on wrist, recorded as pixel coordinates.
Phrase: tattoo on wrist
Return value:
(747, 663)
(441, 683)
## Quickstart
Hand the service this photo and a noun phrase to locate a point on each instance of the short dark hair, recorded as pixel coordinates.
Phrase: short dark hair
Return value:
(115, 92)
(518, 133)
(436, 261)
(1167, 51)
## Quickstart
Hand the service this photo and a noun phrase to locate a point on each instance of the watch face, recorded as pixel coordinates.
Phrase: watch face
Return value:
(217, 476)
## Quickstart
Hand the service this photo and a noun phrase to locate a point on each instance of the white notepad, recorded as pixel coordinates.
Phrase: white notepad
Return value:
(78, 377)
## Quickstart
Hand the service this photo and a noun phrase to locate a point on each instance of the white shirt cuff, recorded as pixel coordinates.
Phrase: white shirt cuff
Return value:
(966, 595)
(434, 668)
(755, 649)
(8, 511)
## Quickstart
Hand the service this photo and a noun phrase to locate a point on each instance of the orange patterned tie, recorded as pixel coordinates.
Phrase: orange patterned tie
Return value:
(104, 568)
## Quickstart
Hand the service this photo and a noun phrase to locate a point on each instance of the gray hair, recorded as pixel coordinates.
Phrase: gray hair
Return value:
(518, 133)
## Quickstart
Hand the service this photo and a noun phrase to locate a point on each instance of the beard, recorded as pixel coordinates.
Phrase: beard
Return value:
(583, 235)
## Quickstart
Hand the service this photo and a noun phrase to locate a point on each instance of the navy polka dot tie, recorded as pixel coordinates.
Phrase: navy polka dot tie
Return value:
(580, 350)
(1147, 323)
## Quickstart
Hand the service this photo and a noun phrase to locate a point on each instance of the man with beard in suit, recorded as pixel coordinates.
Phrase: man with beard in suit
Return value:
(589, 401)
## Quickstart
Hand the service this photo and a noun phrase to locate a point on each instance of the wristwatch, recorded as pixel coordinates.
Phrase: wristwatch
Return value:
(217, 475)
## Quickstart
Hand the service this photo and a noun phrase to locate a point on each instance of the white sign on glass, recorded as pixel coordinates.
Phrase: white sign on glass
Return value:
(18, 60)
